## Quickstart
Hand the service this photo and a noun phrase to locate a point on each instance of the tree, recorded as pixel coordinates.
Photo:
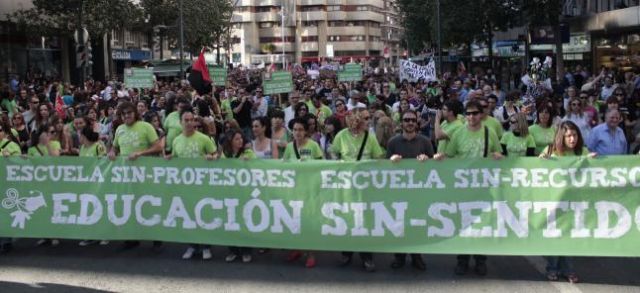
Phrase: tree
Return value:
(63, 17)
(205, 21)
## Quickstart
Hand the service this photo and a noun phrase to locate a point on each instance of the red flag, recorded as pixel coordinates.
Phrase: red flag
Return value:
(199, 77)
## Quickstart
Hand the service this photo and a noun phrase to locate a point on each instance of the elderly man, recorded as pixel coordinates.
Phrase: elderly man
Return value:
(607, 138)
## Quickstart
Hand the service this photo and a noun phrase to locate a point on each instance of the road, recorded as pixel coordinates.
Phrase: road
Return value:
(69, 268)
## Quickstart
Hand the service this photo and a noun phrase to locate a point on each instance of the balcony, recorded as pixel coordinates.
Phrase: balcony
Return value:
(349, 46)
(313, 2)
(336, 15)
(376, 46)
(242, 17)
(287, 47)
(312, 15)
(309, 46)
(267, 2)
(377, 3)
(365, 15)
(309, 31)
(267, 16)
(275, 32)
(346, 30)
(374, 31)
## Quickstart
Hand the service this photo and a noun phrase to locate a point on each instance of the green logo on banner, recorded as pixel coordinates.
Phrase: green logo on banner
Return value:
(138, 78)
(277, 82)
(351, 72)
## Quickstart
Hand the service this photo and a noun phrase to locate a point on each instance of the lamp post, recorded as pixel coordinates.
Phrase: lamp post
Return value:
(282, 15)
(439, 37)
(181, 41)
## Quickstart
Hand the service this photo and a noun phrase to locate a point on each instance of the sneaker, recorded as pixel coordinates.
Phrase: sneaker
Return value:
(246, 258)
(481, 268)
(157, 246)
(206, 254)
(189, 253)
(398, 263)
(369, 266)
(104, 242)
(345, 261)
(87, 242)
(231, 257)
(55, 242)
(43, 242)
(418, 263)
(311, 262)
(461, 268)
(294, 255)
(6, 248)
(129, 245)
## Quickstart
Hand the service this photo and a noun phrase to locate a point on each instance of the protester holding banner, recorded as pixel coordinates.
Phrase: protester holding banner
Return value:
(568, 142)
(8, 145)
(42, 144)
(193, 144)
(234, 147)
(355, 143)
(476, 140)
(453, 120)
(487, 119)
(171, 123)
(409, 145)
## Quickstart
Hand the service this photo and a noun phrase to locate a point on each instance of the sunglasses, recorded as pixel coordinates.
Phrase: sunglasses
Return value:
(472, 113)
(339, 104)
(409, 120)
(584, 97)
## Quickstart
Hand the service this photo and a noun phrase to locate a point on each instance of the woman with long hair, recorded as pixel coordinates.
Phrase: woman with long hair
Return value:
(384, 132)
(517, 142)
(279, 133)
(61, 135)
(22, 131)
(263, 146)
(331, 127)
(234, 147)
(568, 142)
(543, 131)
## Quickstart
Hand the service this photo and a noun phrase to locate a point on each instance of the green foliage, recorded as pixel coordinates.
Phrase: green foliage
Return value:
(63, 16)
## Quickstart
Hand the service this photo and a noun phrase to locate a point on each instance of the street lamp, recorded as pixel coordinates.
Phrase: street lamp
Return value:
(181, 41)
(282, 16)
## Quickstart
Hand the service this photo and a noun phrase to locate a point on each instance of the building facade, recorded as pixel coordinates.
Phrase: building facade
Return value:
(313, 30)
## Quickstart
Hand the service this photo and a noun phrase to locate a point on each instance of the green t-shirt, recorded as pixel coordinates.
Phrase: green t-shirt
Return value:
(517, 146)
(470, 144)
(225, 106)
(95, 150)
(542, 136)
(44, 151)
(195, 146)
(10, 146)
(309, 151)
(137, 137)
(249, 154)
(173, 128)
(449, 128)
(324, 113)
(10, 105)
(494, 125)
(347, 147)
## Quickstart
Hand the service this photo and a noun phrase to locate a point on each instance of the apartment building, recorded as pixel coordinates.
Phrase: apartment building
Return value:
(313, 30)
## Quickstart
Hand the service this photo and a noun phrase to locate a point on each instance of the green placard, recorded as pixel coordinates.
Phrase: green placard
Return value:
(351, 72)
(277, 82)
(138, 78)
(218, 75)
(515, 206)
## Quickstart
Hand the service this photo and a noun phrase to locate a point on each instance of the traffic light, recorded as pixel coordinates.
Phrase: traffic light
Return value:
(89, 54)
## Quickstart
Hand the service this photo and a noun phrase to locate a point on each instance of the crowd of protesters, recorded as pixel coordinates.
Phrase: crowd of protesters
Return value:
(461, 116)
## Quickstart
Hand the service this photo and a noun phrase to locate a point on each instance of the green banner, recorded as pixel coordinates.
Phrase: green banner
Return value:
(277, 82)
(351, 72)
(218, 75)
(138, 78)
(526, 206)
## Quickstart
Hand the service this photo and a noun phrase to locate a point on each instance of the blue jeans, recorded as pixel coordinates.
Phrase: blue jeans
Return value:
(559, 265)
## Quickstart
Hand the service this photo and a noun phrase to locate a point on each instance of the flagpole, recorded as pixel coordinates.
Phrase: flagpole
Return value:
(284, 62)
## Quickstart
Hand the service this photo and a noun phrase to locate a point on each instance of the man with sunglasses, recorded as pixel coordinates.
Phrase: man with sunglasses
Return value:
(409, 145)
(475, 140)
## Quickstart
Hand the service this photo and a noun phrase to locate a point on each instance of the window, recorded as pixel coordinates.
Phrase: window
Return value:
(266, 24)
(237, 26)
(310, 39)
(128, 37)
(362, 8)
(334, 8)
(242, 9)
(309, 23)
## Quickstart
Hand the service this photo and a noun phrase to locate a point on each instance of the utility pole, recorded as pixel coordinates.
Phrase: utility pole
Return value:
(181, 41)
(439, 37)
(284, 61)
